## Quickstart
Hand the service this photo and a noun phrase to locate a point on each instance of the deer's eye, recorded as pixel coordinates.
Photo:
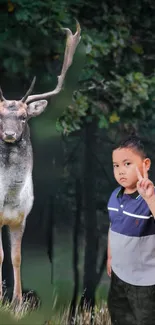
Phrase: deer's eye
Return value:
(23, 119)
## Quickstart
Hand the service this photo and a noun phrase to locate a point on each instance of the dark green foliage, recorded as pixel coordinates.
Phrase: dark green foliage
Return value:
(118, 75)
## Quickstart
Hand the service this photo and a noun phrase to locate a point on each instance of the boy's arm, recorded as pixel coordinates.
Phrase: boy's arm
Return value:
(108, 257)
(151, 204)
(146, 189)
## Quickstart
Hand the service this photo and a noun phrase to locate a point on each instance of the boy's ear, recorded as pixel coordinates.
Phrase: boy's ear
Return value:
(147, 163)
(36, 108)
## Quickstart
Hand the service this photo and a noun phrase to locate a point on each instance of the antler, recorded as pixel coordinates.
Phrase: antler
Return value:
(71, 45)
(29, 90)
(2, 99)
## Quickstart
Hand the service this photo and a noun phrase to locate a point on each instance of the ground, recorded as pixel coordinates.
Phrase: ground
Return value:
(36, 275)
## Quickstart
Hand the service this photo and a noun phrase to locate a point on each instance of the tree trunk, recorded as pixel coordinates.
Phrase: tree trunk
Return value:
(91, 234)
(50, 232)
(75, 250)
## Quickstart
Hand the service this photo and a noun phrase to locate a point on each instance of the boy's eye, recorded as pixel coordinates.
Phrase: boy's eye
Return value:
(127, 163)
(115, 166)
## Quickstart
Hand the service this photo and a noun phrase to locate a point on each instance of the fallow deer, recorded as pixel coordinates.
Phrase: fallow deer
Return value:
(16, 162)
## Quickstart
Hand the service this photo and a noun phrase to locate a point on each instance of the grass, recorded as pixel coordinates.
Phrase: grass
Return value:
(100, 315)
(55, 296)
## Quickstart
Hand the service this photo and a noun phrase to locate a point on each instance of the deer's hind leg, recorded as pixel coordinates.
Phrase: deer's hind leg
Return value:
(16, 234)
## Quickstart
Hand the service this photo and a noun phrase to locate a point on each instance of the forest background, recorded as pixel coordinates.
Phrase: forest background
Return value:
(109, 92)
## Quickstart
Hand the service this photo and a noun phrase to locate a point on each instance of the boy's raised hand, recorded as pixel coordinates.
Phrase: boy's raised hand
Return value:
(144, 185)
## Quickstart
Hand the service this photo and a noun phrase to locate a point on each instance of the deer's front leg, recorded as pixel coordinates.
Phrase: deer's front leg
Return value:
(16, 235)
(1, 262)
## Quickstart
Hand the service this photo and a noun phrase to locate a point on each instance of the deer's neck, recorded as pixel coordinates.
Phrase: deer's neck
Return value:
(17, 154)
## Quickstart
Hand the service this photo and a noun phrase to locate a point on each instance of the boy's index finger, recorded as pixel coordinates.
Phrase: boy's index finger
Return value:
(138, 174)
(145, 172)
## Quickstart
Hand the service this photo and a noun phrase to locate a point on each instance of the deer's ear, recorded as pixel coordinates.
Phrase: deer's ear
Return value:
(36, 108)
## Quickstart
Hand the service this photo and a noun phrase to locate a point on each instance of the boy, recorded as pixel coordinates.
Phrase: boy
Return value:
(131, 238)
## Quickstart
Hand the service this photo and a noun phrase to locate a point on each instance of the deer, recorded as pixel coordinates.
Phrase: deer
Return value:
(16, 162)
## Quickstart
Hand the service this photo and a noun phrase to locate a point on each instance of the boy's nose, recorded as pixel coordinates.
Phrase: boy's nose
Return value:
(121, 172)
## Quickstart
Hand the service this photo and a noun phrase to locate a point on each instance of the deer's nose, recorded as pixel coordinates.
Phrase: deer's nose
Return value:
(10, 134)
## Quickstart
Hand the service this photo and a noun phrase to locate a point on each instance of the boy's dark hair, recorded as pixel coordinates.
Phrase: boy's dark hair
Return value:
(135, 143)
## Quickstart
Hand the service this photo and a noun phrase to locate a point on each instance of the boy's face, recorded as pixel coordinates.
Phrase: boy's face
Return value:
(125, 161)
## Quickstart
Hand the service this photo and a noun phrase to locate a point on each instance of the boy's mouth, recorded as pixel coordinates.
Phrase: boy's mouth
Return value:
(123, 179)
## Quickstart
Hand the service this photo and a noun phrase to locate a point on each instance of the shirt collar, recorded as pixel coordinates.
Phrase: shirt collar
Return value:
(133, 195)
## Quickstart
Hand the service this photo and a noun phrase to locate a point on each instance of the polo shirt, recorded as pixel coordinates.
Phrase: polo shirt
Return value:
(131, 238)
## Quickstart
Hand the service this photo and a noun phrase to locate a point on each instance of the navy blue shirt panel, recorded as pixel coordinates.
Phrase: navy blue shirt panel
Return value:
(130, 216)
